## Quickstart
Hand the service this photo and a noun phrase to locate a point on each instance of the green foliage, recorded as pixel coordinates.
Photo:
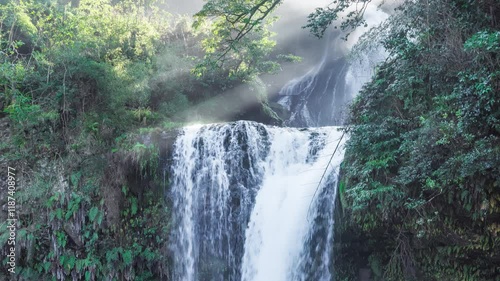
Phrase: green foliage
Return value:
(68, 234)
(239, 43)
(421, 167)
(72, 80)
(484, 40)
(351, 13)
(237, 19)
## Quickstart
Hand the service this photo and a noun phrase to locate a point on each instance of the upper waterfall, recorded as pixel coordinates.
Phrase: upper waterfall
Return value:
(321, 95)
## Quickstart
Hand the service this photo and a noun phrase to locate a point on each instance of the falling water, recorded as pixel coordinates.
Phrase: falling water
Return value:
(321, 95)
(256, 203)
(251, 202)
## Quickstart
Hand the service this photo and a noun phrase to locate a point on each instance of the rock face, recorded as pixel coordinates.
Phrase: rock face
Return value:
(138, 169)
(365, 274)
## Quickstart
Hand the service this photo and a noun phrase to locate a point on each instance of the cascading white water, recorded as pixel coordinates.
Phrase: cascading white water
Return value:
(250, 202)
(283, 218)
(313, 98)
(320, 96)
(216, 170)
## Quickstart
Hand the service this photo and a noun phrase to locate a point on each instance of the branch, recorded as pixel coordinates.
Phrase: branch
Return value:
(324, 172)
(241, 18)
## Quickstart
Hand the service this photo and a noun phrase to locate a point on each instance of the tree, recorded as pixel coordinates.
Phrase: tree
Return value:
(241, 17)
(239, 42)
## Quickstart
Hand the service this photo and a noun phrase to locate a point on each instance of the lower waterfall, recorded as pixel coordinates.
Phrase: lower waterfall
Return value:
(253, 202)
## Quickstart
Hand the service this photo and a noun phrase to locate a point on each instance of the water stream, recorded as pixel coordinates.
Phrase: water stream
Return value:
(250, 202)
(256, 203)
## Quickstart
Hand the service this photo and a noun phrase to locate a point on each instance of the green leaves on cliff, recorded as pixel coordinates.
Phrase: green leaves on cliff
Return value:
(484, 40)
(422, 163)
(72, 79)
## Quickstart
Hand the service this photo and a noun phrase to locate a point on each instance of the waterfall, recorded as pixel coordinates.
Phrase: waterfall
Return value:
(316, 98)
(256, 203)
(250, 202)
(320, 96)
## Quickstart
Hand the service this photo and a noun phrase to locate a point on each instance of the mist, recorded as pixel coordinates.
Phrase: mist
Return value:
(293, 39)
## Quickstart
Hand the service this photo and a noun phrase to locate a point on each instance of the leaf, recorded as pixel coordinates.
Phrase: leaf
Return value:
(59, 213)
(134, 206)
(93, 213)
(70, 263)
(127, 257)
(75, 178)
(99, 218)
(464, 194)
(46, 266)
